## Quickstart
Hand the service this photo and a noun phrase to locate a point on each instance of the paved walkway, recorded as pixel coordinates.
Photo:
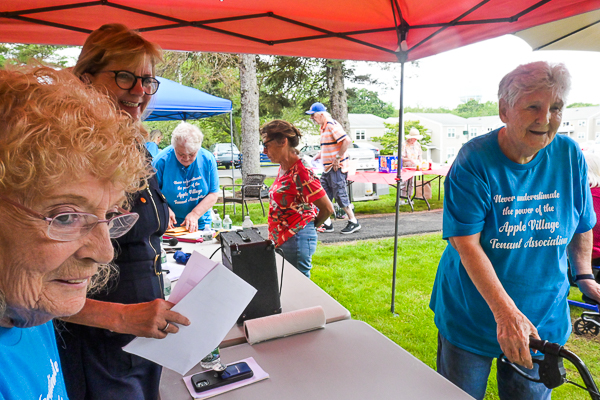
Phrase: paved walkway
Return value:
(381, 226)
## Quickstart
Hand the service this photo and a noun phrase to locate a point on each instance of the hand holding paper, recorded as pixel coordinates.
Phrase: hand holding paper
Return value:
(212, 298)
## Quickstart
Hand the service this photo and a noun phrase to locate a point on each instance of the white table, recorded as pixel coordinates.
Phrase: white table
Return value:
(346, 360)
(298, 292)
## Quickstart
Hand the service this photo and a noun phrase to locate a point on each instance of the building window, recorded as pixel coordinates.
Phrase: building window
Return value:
(451, 132)
(580, 135)
(598, 122)
(473, 131)
(450, 152)
(581, 122)
(566, 123)
(360, 134)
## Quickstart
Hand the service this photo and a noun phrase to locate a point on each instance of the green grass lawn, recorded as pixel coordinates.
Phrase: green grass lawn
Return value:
(362, 284)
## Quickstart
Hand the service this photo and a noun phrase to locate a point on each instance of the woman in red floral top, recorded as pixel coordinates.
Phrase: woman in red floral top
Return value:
(298, 203)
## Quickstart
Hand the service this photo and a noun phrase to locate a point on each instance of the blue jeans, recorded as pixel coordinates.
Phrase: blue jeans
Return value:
(299, 249)
(470, 372)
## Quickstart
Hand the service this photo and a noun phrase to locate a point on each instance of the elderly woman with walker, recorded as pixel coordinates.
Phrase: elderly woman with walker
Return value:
(517, 202)
(63, 183)
(120, 63)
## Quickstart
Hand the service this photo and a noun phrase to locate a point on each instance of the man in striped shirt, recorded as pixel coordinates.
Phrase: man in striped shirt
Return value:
(334, 143)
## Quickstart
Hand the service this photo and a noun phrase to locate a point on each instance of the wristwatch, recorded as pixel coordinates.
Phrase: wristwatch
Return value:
(337, 156)
(584, 276)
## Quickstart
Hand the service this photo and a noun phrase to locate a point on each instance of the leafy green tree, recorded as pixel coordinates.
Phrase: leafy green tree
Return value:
(389, 140)
(577, 105)
(439, 110)
(363, 101)
(474, 108)
(23, 53)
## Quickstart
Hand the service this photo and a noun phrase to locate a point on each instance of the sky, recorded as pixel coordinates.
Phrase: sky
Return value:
(476, 70)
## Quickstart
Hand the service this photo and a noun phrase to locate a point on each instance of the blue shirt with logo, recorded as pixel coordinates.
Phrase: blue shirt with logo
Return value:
(30, 364)
(526, 215)
(185, 187)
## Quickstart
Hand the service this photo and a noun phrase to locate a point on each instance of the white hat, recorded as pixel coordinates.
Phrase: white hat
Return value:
(414, 134)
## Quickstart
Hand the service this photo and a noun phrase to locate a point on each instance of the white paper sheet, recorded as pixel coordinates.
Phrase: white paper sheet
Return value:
(212, 306)
(197, 267)
(175, 270)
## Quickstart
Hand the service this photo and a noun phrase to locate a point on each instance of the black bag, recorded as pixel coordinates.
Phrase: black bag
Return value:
(252, 258)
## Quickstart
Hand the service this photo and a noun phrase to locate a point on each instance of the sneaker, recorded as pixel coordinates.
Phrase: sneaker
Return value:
(327, 228)
(351, 227)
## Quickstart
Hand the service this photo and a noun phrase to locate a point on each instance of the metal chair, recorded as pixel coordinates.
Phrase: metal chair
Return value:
(249, 190)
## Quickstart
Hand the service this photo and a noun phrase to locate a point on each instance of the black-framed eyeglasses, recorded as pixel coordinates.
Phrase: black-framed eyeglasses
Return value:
(265, 143)
(66, 227)
(127, 80)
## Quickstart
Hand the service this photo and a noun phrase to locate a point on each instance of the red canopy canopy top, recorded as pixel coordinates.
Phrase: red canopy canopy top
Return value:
(338, 29)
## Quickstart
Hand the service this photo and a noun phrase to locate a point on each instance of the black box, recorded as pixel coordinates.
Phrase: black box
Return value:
(252, 258)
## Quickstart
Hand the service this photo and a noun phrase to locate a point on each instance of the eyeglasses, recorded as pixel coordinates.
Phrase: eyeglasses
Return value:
(265, 143)
(66, 227)
(127, 80)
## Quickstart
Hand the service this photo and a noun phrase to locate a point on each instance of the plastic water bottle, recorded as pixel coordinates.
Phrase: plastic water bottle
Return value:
(247, 222)
(166, 284)
(211, 360)
(227, 223)
(216, 222)
(163, 255)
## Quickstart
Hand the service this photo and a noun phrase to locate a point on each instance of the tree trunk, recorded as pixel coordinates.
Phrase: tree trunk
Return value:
(339, 103)
(250, 120)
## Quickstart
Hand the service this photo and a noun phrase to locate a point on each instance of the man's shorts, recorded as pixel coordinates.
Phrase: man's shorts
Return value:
(334, 183)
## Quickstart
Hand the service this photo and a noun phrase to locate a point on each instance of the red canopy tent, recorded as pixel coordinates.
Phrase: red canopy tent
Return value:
(375, 30)
(337, 29)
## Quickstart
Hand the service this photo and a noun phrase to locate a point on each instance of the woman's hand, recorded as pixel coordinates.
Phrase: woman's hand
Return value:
(191, 222)
(514, 330)
(150, 319)
(172, 219)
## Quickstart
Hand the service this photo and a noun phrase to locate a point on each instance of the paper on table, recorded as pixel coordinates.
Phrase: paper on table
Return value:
(175, 270)
(212, 306)
(195, 270)
(259, 375)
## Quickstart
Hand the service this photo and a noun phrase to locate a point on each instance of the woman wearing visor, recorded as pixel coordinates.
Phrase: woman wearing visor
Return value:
(120, 63)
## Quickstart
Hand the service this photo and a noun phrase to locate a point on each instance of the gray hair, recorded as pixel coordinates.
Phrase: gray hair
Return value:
(528, 78)
(593, 163)
(325, 113)
(187, 135)
(154, 134)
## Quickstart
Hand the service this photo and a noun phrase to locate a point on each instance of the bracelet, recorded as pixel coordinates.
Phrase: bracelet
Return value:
(584, 276)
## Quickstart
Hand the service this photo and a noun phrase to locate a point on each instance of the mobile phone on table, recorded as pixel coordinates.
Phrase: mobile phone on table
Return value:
(212, 379)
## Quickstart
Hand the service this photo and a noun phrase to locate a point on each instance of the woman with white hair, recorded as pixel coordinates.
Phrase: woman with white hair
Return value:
(187, 175)
(516, 200)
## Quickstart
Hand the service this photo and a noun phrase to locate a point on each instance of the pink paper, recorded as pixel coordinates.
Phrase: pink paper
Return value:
(259, 375)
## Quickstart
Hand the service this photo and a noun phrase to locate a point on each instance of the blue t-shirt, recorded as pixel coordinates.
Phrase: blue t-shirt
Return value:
(152, 148)
(526, 214)
(185, 187)
(30, 364)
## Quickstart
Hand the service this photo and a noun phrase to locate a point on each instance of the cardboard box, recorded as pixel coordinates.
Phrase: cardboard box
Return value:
(388, 164)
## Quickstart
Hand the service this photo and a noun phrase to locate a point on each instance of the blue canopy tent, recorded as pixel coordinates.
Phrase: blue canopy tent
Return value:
(178, 102)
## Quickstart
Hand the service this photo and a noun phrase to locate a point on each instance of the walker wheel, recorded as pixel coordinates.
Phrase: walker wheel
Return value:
(585, 328)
